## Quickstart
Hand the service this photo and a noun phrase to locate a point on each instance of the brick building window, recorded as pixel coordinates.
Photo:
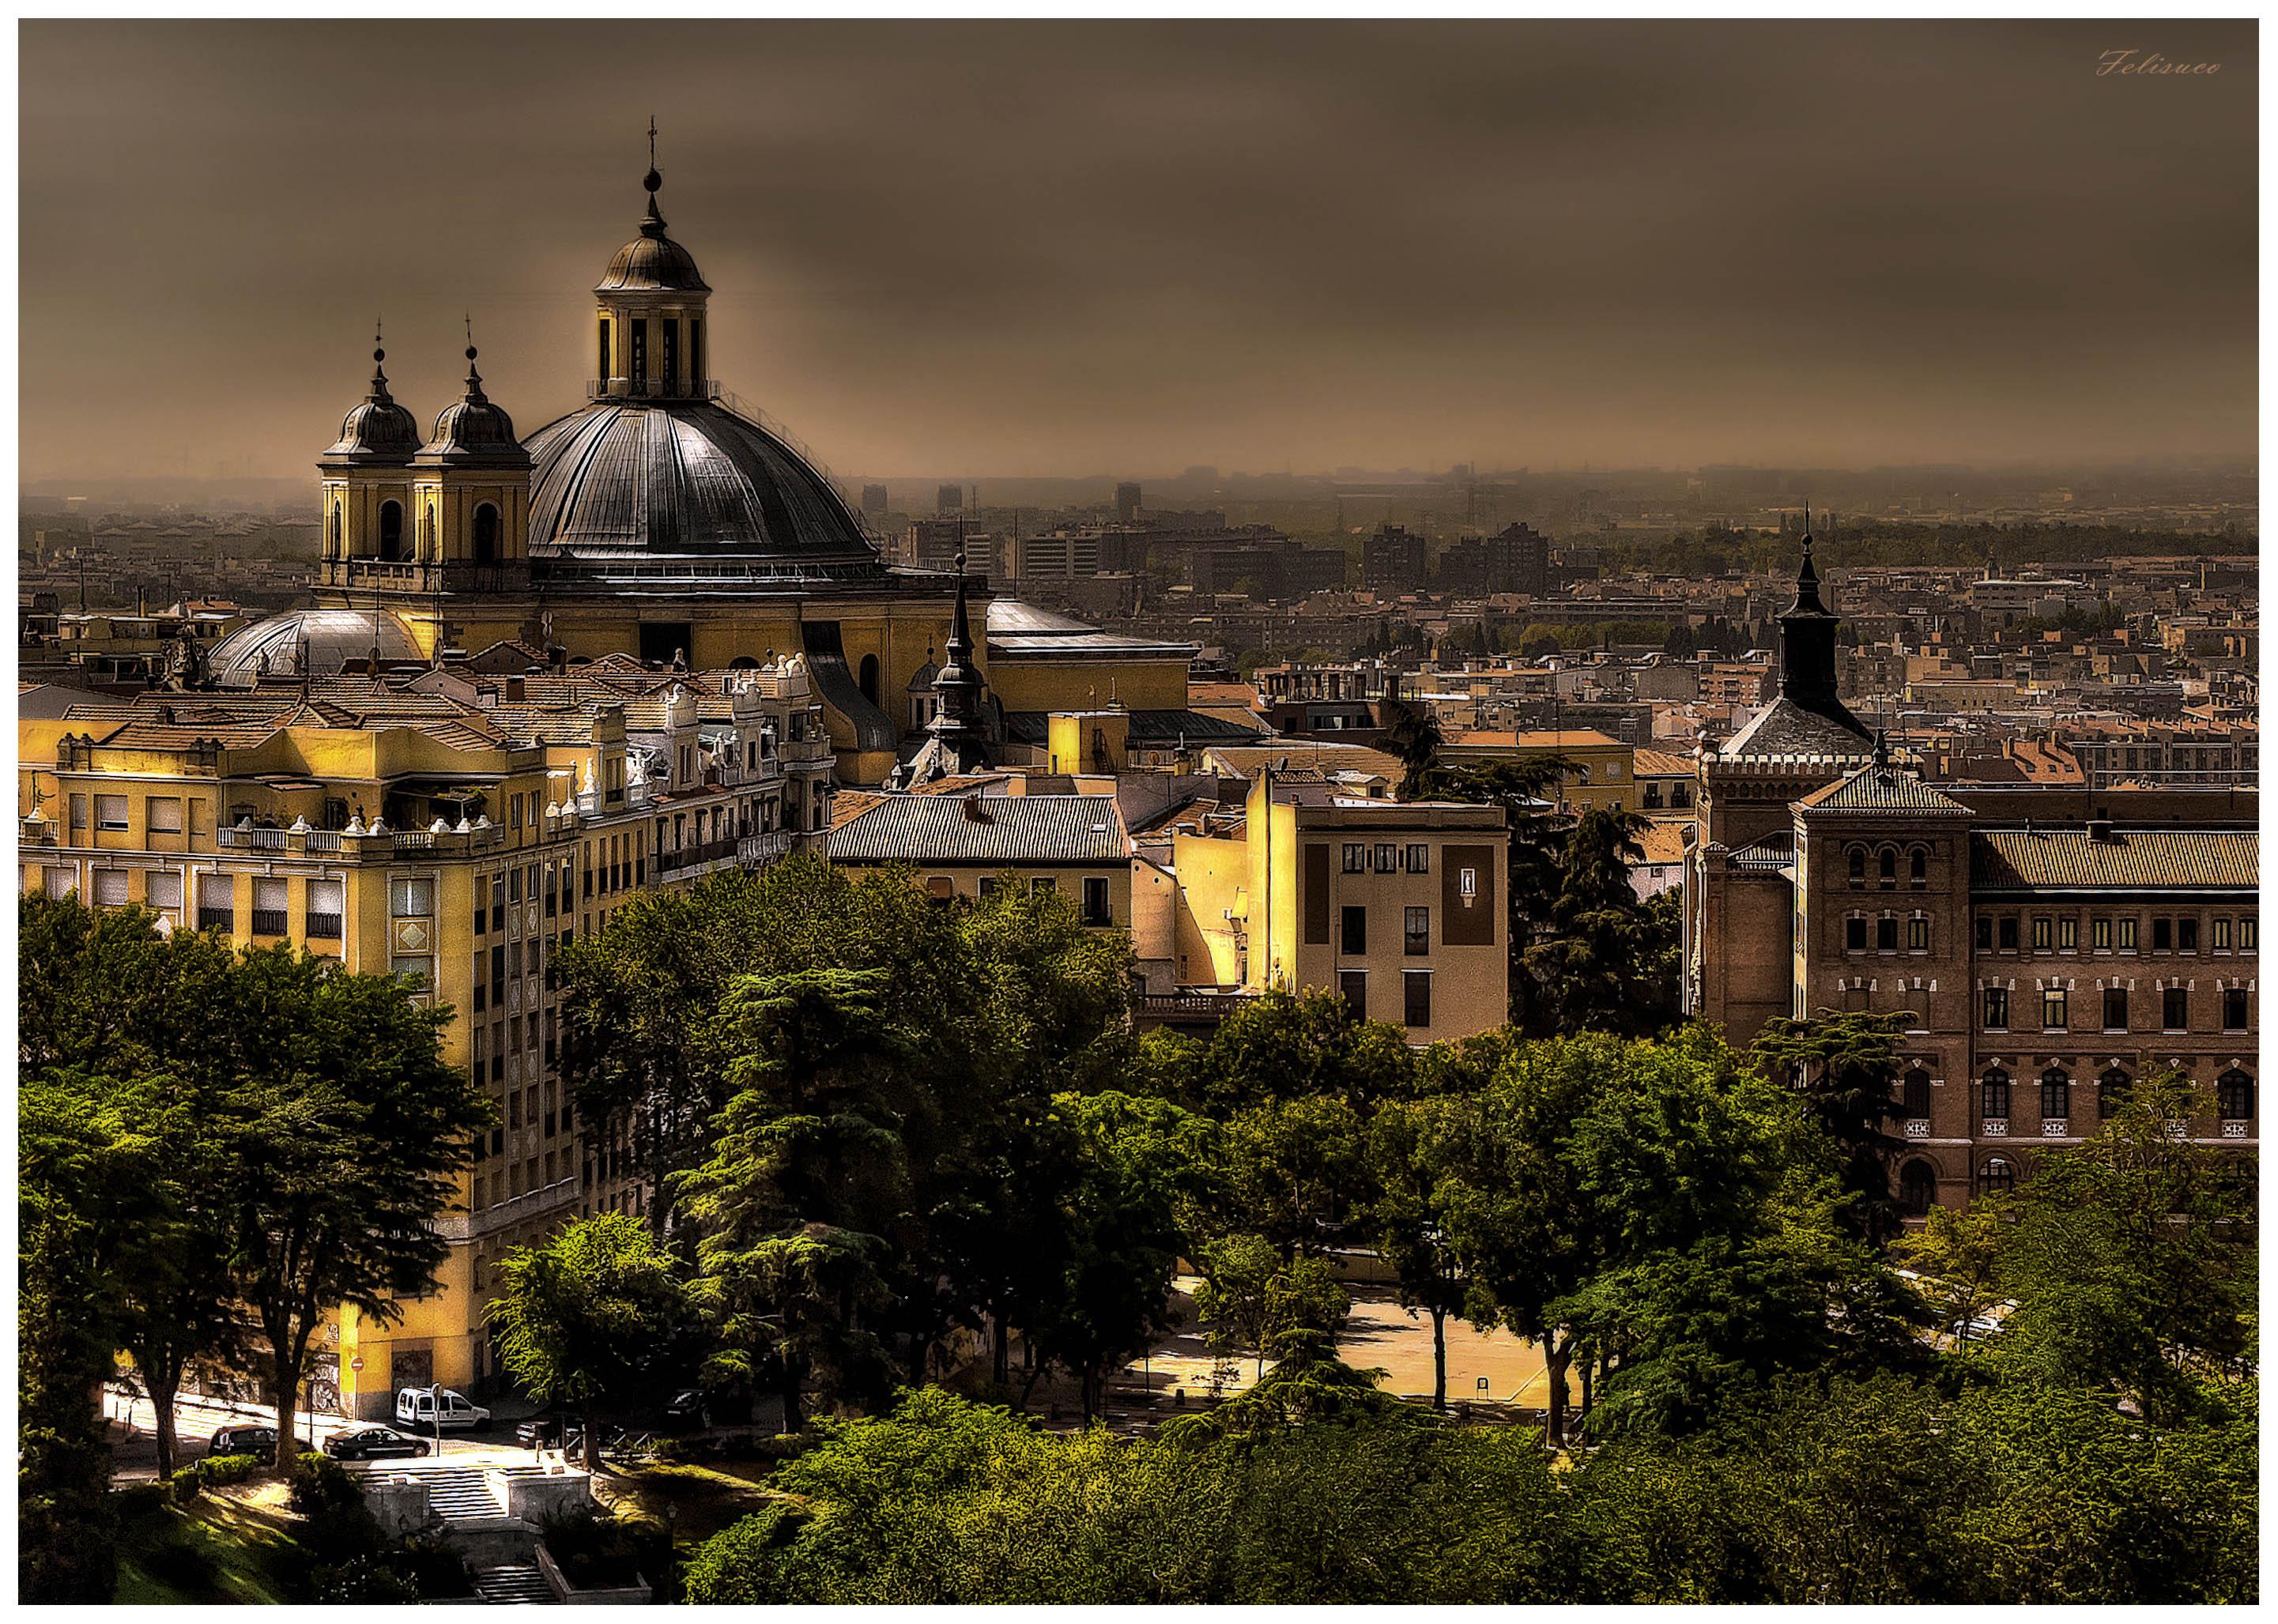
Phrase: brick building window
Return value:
(1984, 935)
(2055, 1009)
(1996, 1177)
(2115, 1009)
(1854, 934)
(2069, 933)
(2112, 1090)
(2186, 935)
(1918, 935)
(2056, 1094)
(2174, 1009)
(2099, 935)
(1886, 933)
(2009, 933)
(1997, 1007)
(1918, 868)
(1858, 865)
(1917, 1188)
(2219, 935)
(2043, 940)
(2163, 935)
(2250, 931)
(1993, 1095)
(2234, 1009)
(1915, 1094)
(2126, 927)
(2234, 1095)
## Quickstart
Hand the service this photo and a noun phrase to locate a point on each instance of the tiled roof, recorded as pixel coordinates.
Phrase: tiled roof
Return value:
(1661, 763)
(1791, 729)
(2128, 859)
(1665, 840)
(1881, 790)
(983, 829)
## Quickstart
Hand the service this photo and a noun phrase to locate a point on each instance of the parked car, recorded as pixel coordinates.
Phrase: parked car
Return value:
(689, 1411)
(242, 1441)
(372, 1443)
(419, 1408)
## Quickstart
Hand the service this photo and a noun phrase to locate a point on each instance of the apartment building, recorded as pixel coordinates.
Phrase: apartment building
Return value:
(453, 831)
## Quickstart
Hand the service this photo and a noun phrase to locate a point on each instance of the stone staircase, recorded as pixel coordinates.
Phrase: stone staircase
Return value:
(460, 1494)
(515, 1584)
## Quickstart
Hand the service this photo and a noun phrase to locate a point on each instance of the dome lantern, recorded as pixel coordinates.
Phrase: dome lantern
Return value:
(650, 321)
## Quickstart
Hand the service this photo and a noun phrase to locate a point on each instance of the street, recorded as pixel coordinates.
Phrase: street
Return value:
(134, 1449)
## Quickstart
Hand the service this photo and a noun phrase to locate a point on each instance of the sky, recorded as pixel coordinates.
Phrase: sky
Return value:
(959, 249)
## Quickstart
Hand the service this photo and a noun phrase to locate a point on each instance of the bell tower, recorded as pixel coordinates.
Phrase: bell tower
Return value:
(472, 494)
(367, 486)
(649, 334)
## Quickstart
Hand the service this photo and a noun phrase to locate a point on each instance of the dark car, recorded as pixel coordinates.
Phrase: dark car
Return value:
(372, 1443)
(689, 1411)
(243, 1441)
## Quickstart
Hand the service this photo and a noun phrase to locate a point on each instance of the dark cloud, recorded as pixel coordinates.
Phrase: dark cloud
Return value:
(1012, 247)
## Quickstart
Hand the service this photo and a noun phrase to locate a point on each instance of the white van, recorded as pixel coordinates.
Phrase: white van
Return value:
(422, 1409)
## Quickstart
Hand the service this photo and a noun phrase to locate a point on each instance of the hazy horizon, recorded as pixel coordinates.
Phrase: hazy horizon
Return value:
(1019, 249)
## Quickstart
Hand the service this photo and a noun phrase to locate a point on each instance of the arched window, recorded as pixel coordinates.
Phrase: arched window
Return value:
(2056, 1094)
(427, 531)
(2111, 1093)
(1993, 1095)
(390, 532)
(1858, 865)
(2234, 1095)
(1917, 1188)
(486, 534)
(1918, 867)
(869, 678)
(1915, 1094)
(333, 534)
(1996, 1177)
(742, 662)
(1886, 866)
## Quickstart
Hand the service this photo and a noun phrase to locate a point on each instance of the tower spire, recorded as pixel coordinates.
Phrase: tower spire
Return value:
(653, 222)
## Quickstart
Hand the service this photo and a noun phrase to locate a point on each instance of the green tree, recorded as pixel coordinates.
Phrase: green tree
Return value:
(806, 1180)
(1413, 1149)
(597, 1317)
(1134, 1164)
(1606, 962)
(347, 1134)
(87, 1187)
(1527, 791)
(1843, 1065)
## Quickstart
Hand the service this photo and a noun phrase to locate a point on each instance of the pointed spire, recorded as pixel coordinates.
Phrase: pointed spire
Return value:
(379, 367)
(474, 378)
(653, 222)
(960, 630)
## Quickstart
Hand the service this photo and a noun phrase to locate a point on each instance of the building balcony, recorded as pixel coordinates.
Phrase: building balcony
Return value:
(652, 388)
(692, 857)
(1189, 1004)
(756, 851)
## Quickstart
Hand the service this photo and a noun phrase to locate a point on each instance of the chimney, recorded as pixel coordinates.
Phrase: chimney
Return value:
(975, 811)
(2100, 830)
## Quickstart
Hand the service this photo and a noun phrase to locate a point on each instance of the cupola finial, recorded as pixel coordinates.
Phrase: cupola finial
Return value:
(653, 222)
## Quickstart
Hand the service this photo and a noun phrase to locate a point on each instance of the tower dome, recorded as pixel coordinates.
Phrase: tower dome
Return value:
(474, 428)
(376, 430)
(652, 262)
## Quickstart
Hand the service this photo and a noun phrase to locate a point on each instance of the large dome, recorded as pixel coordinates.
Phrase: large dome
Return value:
(325, 639)
(627, 480)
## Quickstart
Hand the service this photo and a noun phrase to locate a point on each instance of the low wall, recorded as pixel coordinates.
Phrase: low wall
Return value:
(623, 1595)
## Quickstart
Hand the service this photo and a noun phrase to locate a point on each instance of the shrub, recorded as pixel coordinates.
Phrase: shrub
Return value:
(599, 1552)
(321, 1483)
(220, 1469)
(137, 1501)
(434, 1568)
(742, 1562)
(186, 1484)
(362, 1579)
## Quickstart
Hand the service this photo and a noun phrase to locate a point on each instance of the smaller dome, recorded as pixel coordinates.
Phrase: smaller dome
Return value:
(652, 264)
(325, 639)
(376, 430)
(474, 428)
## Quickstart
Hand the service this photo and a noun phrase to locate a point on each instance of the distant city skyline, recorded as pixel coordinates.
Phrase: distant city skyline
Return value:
(1017, 250)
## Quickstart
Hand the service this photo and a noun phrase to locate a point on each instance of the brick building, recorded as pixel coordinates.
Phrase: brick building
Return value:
(2052, 943)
